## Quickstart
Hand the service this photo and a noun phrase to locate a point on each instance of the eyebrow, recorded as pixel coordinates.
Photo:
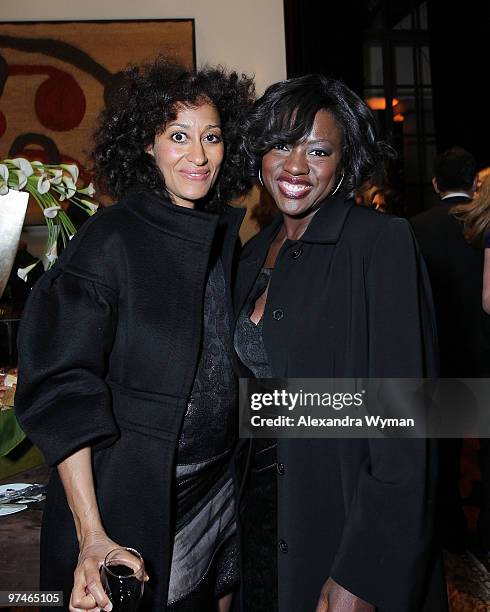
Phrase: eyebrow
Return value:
(187, 126)
(318, 140)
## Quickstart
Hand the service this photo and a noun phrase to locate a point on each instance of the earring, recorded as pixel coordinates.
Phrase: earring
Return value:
(218, 192)
(338, 185)
(260, 178)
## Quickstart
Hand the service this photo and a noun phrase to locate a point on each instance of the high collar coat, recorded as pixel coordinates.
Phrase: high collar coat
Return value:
(109, 345)
(350, 299)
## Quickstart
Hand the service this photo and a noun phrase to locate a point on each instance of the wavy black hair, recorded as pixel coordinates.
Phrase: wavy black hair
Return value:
(146, 98)
(286, 112)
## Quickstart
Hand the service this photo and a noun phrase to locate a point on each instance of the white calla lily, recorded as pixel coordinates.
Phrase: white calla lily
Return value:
(72, 169)
(23, 272)
(4, 177)
(49, 184)
(91, 206)
(52, 253)
(89, 190)
(4, 173)
(68, 181)
(43, 184)
(51, 211)
(24, 165)
(57, 176)
(21, 179)
(70, 187)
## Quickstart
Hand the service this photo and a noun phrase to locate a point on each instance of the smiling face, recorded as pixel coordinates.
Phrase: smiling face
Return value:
(189, 153)
(299, 176)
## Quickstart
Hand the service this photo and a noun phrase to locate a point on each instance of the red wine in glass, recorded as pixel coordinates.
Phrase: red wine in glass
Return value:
(122, 577)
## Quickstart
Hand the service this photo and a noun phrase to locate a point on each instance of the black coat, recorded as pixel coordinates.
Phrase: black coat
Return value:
(109, 345)
(456, 274)
(354, 301)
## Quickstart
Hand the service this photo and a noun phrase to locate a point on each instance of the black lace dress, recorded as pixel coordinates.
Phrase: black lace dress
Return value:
(259, 509)
(205, 560)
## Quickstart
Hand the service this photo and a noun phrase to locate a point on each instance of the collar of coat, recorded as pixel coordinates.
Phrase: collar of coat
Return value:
(186, 223)
(325, 226)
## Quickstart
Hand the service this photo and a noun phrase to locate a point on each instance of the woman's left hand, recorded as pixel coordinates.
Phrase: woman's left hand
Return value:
(334, 598)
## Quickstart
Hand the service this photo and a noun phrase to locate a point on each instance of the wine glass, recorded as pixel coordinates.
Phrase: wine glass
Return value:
(122, 576)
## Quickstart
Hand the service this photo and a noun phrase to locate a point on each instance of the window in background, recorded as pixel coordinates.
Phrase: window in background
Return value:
(397, 78)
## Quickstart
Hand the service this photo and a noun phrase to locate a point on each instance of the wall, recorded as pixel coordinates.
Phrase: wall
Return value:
(247, 35)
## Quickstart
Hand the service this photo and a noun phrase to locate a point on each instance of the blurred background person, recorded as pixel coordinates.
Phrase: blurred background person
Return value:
(450, 239)
(382, 197)
(481, 175)
(475, 220)
(454, 266)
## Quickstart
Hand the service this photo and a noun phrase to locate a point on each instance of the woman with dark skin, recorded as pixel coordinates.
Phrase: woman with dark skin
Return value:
(125, 378)
(331, 290)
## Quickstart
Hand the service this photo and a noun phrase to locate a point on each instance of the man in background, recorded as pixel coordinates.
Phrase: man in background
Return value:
(454, 266)
(455, 269)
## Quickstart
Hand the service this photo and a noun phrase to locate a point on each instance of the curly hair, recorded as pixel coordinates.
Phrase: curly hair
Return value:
(286, 112)
(146, 99)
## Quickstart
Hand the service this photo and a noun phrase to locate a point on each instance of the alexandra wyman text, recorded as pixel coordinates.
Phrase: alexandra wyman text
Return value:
(308, 421)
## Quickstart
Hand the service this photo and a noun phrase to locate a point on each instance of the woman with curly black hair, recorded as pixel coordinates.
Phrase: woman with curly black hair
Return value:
(125, 377)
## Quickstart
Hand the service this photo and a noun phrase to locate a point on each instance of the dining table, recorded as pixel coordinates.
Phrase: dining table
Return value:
(19, 538)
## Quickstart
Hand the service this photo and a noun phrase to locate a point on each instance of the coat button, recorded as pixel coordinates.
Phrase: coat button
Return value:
(280, 469)
(278, 314)
(297, 253)
(283, 547)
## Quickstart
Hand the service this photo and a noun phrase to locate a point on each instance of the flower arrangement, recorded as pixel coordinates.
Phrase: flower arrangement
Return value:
(52, 186)
(49, 185)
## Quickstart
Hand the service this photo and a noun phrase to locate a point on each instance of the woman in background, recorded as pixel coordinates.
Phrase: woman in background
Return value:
(475, 220)
(125, 379)
(476, 228)
(332, 290)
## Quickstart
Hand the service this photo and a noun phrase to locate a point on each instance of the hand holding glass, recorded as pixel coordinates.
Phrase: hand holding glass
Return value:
(122, 576)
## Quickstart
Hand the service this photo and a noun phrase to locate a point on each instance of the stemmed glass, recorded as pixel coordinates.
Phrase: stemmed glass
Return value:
(122, 576)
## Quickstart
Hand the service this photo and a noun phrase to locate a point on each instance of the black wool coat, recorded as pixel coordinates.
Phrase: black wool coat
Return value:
(350, 299)
(109, 345)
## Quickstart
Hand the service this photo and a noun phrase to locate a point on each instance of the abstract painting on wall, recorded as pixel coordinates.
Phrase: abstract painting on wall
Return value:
(54, 77)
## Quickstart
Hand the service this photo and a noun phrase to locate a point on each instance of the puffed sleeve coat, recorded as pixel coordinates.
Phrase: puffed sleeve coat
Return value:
(108, 347)
(350, 299)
